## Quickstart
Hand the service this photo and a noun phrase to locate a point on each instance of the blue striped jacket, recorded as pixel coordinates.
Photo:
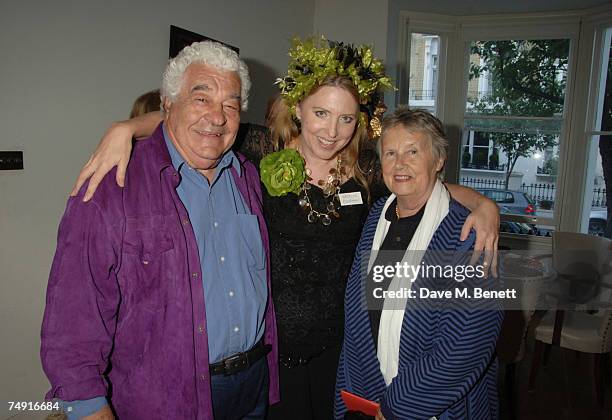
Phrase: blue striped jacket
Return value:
(447, 365)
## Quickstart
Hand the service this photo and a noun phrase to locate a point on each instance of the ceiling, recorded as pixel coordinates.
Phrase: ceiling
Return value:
(485, 7)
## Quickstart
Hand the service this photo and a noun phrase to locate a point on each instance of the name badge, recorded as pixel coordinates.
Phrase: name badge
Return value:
(350, 199)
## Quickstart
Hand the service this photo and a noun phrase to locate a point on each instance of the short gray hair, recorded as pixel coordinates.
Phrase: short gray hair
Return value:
(420, 120)
(212, 54)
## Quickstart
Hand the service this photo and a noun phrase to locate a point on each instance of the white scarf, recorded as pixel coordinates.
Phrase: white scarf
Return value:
(392, 315)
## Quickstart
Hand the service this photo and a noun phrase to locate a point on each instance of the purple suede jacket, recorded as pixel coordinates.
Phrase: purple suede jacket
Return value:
(125, 297)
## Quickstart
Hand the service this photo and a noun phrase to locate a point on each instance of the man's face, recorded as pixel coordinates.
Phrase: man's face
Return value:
(203, 121)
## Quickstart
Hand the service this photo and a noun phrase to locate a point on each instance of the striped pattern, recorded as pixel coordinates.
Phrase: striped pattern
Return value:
(447, 365)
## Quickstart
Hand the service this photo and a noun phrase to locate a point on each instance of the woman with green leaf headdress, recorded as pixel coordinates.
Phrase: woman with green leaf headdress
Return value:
(321, 173)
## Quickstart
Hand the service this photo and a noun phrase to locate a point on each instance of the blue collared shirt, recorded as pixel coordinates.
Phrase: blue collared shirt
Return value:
(232, 259)
(231, 255)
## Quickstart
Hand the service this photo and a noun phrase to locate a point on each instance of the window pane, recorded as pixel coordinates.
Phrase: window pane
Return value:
(477, 122)
(599, 180)
(424, 58)
(515, 97)
(481, 157)
(518, 77)
(595, 217)
(481, 139)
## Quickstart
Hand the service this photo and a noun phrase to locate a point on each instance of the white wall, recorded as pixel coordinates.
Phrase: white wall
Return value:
(353, 21)
(67, 69)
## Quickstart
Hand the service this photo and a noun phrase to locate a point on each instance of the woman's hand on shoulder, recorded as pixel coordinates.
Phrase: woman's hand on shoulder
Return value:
(485, 221)
(113, 150)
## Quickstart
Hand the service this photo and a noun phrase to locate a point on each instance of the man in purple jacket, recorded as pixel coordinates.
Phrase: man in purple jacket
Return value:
(159, 303)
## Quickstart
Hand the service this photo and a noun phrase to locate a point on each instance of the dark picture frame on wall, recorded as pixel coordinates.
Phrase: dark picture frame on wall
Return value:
(180, 38)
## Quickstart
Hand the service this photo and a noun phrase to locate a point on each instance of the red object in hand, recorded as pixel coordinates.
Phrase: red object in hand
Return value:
(356, 403)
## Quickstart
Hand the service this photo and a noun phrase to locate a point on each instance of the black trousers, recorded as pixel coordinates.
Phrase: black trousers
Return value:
(243, 395)
(307, 391)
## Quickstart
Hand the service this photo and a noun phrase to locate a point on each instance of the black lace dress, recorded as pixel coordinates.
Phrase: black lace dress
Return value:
(310, 265)
(310, 262)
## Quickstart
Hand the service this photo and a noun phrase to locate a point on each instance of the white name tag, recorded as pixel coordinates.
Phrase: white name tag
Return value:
(350, 199)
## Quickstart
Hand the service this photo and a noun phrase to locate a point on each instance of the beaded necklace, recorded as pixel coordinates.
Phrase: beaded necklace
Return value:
(331, 188)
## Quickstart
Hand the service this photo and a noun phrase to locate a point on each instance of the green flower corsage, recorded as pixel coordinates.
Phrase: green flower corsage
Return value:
(283, 172)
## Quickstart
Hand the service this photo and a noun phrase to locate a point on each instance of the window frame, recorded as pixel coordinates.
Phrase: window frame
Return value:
(428, 24)
(597, 34)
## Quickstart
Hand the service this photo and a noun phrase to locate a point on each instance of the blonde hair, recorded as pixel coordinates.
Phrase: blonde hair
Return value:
(145, 103)
(284, 128)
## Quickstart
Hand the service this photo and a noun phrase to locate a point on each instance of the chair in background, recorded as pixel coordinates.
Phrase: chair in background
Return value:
(583, 266)
(527, 275)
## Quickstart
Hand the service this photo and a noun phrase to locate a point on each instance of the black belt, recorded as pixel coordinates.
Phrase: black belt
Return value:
(240, 361)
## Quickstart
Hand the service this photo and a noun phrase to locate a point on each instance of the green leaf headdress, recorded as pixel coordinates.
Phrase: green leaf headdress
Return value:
(314, 59)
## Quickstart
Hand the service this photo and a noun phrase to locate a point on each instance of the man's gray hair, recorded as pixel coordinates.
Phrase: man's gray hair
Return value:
(212, 54)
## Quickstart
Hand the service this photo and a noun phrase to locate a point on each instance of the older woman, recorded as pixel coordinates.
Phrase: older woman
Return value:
(417, 358)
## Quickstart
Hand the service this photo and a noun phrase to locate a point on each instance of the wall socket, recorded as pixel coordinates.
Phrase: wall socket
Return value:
(11, 160)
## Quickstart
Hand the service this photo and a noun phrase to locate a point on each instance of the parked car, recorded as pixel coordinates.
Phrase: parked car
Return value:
(514, 202)
(598, 220)
(519, 202)
(511, 202)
